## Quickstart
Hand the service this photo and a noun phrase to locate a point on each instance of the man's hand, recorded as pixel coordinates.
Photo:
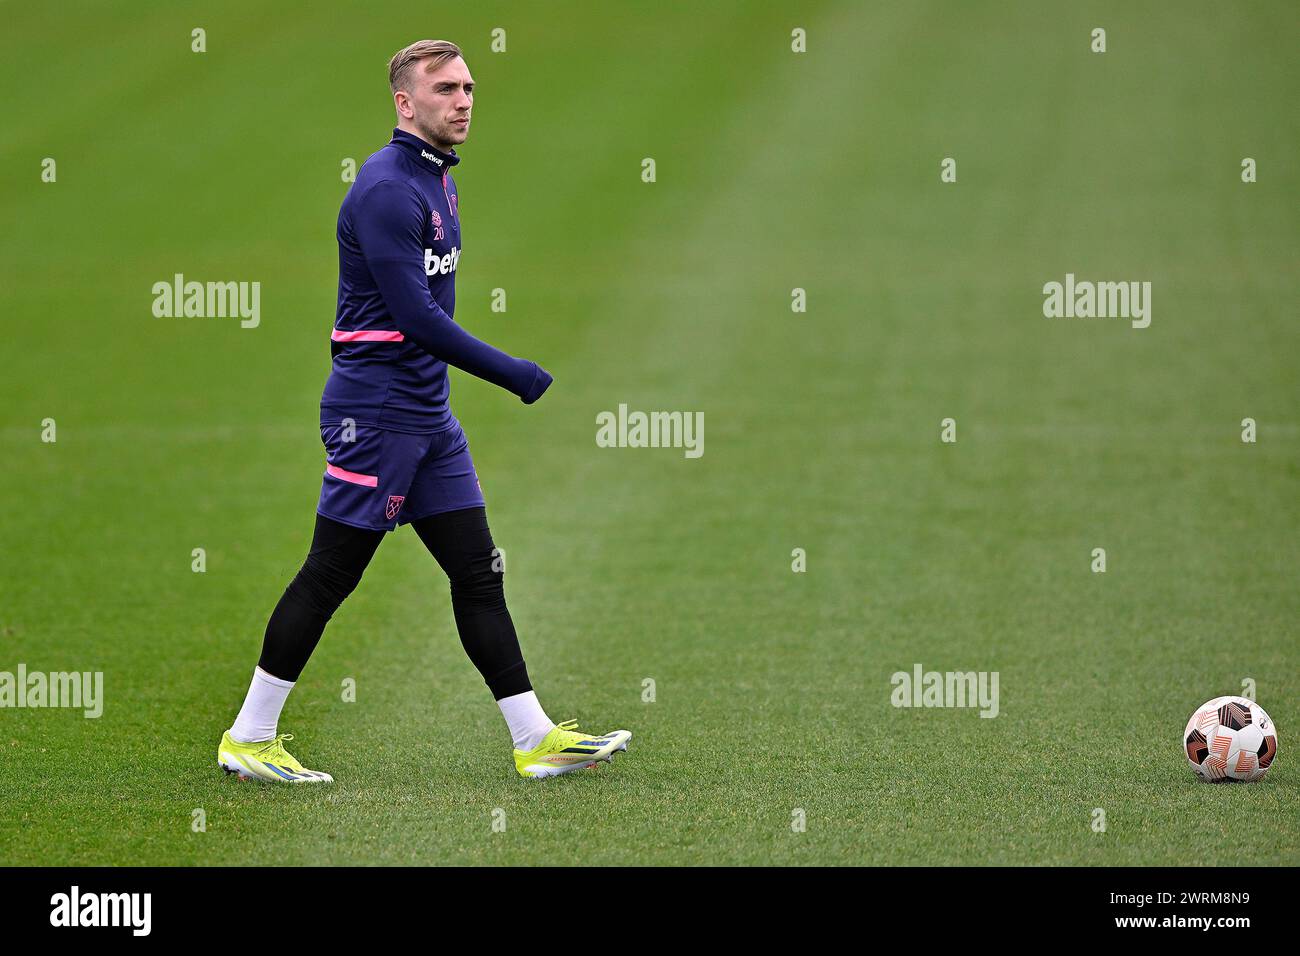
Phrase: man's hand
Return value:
(541, 382)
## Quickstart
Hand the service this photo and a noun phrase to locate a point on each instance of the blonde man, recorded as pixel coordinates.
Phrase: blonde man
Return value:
(395, 454)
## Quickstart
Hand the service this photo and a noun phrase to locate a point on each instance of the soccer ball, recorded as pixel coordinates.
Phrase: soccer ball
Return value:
(1230, 739)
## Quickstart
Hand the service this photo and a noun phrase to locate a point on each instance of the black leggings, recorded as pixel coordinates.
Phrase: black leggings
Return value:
(462, 545)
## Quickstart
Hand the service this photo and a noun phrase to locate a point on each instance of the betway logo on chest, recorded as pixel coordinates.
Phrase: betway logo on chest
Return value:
(441, 265)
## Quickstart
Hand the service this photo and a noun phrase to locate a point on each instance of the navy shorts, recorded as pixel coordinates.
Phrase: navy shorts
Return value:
(384, 478)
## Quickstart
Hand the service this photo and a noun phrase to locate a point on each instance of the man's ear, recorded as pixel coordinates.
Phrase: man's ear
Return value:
(403, 104)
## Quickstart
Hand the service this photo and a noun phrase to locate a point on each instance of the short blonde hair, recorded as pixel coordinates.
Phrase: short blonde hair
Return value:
(405, 59)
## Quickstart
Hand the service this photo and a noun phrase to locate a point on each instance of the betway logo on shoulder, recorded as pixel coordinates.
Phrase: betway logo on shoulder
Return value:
(430, 157)
(441, 265)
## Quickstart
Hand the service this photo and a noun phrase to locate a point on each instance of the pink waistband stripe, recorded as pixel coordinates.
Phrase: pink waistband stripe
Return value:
(368, 335)
(370, 481)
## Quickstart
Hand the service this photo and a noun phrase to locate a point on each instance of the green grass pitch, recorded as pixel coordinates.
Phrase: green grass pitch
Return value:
(775, 170)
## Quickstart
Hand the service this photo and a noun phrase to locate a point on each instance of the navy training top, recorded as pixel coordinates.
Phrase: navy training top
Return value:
(394, 336)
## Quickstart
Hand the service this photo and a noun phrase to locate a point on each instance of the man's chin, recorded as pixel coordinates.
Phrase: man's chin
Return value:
(447, 136)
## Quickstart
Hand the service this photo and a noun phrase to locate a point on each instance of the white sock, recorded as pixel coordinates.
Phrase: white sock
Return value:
(527, 721)
(260, 714)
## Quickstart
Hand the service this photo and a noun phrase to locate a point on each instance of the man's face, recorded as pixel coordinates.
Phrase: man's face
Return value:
(438, 103)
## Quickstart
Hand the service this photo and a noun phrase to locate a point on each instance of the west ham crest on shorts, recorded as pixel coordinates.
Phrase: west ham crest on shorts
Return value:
(394, 506)
(437, 218)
